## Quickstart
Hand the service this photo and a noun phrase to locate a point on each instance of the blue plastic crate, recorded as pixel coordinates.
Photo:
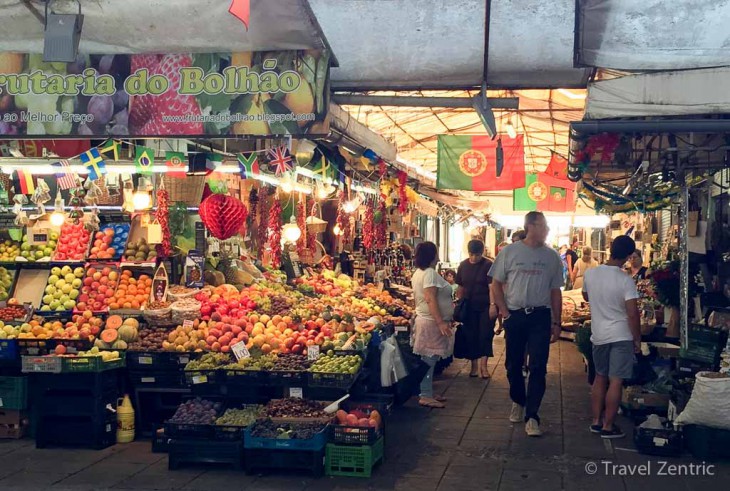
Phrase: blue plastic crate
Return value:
(317, 442)
(9, 349)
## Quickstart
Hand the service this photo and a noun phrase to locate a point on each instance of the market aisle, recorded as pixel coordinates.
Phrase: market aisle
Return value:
(468, 446)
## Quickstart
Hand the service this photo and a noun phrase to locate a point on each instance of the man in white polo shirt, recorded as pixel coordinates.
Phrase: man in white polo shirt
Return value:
(616, 333)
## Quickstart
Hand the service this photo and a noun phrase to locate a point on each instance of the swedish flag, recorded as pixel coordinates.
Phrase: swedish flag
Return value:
(94, 163)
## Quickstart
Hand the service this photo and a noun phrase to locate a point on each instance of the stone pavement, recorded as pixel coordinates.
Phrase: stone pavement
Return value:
(470, 445)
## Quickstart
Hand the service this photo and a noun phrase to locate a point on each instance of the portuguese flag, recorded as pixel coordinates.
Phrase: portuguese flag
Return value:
(543, 192)
(469, 162)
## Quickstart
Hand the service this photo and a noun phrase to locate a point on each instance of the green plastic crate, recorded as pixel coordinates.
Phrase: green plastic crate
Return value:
(351, 461)
(13, 393)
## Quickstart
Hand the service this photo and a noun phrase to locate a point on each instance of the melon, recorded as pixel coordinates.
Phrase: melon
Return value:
(101, 344)
(113, 322)
(119, 344)
(131, 322)
(109, 335)
(127, 333)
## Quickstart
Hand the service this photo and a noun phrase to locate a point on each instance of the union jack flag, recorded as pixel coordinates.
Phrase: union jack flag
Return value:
(280, 160)
(64, 176)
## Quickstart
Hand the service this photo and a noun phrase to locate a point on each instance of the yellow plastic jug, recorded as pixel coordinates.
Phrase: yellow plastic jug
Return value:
(125, 420)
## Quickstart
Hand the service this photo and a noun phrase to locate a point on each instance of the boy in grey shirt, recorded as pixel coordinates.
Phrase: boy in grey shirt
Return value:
(527, 277)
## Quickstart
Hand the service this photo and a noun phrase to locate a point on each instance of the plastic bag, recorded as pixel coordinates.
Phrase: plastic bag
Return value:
(708, 405)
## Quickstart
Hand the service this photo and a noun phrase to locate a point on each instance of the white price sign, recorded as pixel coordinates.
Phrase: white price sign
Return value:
(296, 392)
(187, 323)
(200, 379)
(145, 360)
(240, 351)
(313, 352)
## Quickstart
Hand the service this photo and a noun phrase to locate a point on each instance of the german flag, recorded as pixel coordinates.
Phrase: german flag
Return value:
(23, 182)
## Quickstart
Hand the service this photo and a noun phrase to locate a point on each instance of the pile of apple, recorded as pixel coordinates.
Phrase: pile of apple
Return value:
(98, 289)
(38, 252)
(81, 326)
(103, 248)
(224, 302)
(73, 242)
(62, 290)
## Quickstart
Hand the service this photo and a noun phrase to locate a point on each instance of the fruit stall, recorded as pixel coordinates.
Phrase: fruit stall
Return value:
(210, 314)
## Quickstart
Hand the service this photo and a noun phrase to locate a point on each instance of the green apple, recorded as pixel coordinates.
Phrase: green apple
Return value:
(66, 289)
(58, 294)
(69, 304)
(53, 279)
(47, 251)
(56, 271)
(47, 299)
(46, 308)
(64, 299)
(79, 272)
(55, 304)
(25, 254)
(66, 270)
(76, 283)
(73, 295)
(69, 278)
(60, 308)
(60, 284)
(54, 236)
(39, 254)
(50, 289)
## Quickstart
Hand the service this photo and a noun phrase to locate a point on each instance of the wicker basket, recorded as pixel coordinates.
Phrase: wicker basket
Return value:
(106, 198)
(188, 190)
(315, 224)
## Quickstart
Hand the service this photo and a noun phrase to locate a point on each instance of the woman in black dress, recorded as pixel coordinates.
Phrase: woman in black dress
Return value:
(473, 340)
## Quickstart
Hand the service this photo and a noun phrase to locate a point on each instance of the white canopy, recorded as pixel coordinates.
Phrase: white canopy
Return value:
(678, 93)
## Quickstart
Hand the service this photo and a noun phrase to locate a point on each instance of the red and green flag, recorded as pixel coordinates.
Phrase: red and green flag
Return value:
(558, 167)
(177, 164)
(470, 162)
(543, 192)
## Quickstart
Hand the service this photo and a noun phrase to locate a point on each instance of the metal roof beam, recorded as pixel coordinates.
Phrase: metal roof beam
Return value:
(404, 101)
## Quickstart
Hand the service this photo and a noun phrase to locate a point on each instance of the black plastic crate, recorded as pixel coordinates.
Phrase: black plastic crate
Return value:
(704, 344)
(383, 403)
(184, 431)
(160, 441)
(158, 361)
(687, 368)
(282, 378)
(665, 442)
(173, 379)
(182, 452)
(707, 443)
(94, 382)
(245, 378)
(74, 403)
(331, 380)
(261, 459)
(204, 377)
(76, 431)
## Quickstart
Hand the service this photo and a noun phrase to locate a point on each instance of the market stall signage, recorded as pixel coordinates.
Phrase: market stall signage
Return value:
(251, 93)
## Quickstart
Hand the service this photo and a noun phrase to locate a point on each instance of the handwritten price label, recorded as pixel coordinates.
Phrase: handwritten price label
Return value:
(313, 352)
(240, 351)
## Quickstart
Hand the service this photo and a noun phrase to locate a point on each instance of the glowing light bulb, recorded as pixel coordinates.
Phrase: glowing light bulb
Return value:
(291, 232)
(286, 184)
(337, 230)
(141, 200)
(57, 218)
(511, 131)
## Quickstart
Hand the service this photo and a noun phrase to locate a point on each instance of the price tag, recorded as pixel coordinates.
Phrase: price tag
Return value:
(187, 323)
(145, 360)
(660, 442)
(313, 352)
(296, 392)
(184, 360)
(148, 380)
(240, 351)
(401, 328)
(200, 379)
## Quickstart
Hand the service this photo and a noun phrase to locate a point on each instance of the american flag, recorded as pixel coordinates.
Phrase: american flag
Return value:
(280, 160)
(65, 177)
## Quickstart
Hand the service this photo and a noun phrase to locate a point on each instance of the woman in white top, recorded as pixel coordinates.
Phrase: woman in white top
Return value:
(434, 312)
(582, 265)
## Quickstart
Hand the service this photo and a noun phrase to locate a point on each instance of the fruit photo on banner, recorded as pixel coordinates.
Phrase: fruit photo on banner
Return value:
(148, 95)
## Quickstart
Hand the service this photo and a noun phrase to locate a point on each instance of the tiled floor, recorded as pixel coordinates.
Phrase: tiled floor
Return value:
(470, 445)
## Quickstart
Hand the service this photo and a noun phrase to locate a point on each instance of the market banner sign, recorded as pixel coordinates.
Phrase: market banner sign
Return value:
(470, 162)
(249, 93)
(543, 192)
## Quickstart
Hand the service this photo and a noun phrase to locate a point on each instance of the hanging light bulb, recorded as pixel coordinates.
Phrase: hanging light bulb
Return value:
(337, 230)
(142, 200)
(286, 184)
(324, 190)
(58, 217)
(511, 131)
(291, 231)
(352, 205)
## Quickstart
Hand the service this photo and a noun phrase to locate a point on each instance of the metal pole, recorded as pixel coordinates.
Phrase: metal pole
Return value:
(403, 101)
(683, 263)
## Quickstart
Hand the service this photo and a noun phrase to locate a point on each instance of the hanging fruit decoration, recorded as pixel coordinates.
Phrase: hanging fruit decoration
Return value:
(381, 229)
(274, 233)
(343, 219)
(368, 226)
(162, 215)
(381, 168)
(402, 194)
(302, 223)
(222, 215)
(263, 206)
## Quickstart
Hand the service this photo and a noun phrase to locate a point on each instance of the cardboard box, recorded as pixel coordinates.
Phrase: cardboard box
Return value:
(666, 350)
(635, 397)
(693, 224)
(13, 423)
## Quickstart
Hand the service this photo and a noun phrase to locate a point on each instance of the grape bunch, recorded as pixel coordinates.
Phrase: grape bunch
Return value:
(301, 431)
(196, 411)
(280, 305)
(209, 361)
(292, 407)
(263, 362)
(240, 417)
(292, 362)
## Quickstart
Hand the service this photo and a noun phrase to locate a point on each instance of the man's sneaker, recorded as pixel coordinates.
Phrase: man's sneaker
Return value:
(596, 429)
(517, 415)
(532, 427)
(614, 432)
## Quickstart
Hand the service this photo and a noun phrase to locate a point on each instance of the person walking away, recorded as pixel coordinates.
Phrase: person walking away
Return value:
(473, 339)
(434, 312)
(636, 269)
(583, 264)
(526, 281)
(571, 258)
(616, 334)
